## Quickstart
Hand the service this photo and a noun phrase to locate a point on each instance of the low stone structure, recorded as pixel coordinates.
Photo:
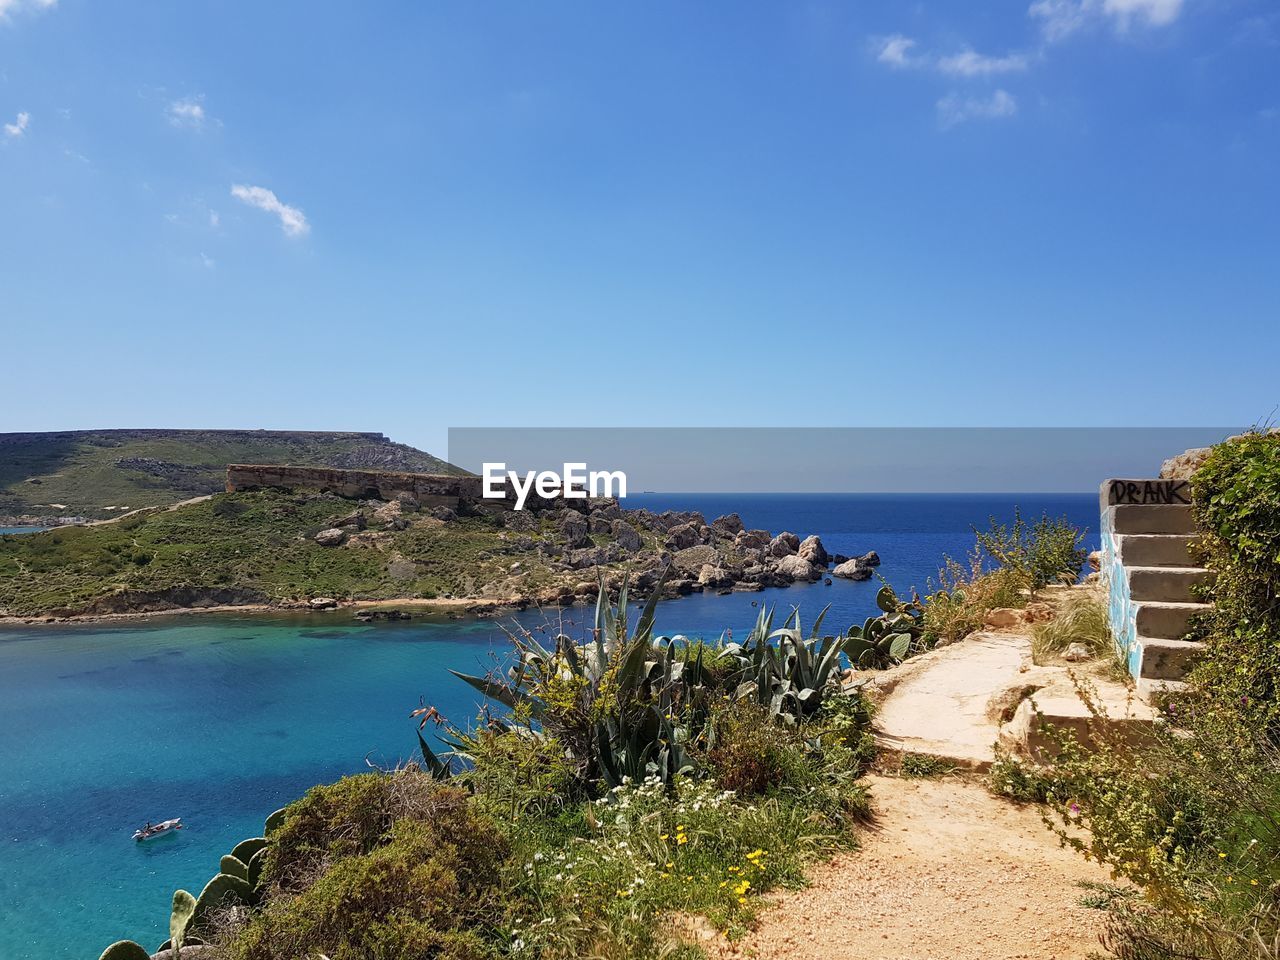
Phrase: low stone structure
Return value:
(432, 490)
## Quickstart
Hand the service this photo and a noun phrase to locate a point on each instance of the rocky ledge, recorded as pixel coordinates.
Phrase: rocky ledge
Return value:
(572, 539)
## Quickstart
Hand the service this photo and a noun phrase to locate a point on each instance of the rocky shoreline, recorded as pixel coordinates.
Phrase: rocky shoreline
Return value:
(569, 543)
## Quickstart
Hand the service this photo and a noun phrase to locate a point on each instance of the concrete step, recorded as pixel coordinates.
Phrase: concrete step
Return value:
(1152, 518)
(1167, 584)
(1148, 687)
(1167, 659)
(1166, 621)
(1155, 550)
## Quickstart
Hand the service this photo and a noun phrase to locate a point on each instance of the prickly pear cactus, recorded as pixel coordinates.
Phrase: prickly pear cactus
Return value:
(245, 849)
(125, 950)
(256, 863)
(235, 867)
(222, 890)
(274, 821)
(184, 908)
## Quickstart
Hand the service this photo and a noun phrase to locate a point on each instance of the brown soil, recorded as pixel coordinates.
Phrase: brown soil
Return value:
(948, 872)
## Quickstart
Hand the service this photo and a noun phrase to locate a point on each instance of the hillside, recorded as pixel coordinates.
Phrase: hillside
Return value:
(279, 548)
(98, 474)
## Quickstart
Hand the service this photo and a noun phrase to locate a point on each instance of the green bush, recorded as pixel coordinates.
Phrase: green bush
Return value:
(1019, 781)
(1047, 551)
(1237, 504)
(923, 766)
(424, 892)
(600, 883)
(967, 594)
(518, 774)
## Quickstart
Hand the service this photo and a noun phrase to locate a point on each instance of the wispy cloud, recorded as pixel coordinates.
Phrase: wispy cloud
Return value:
(1061, 18)
(955, 108)
(19, 126)
(292, 220)
(901, 52)
(970, 63)
(8, 7)
(896, 50)
(187, 112)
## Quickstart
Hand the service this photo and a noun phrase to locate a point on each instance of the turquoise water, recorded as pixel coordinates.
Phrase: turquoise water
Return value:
(4, 530)
(220, 719)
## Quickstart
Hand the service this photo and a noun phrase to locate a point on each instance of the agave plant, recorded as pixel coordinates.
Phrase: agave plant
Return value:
(792, 676)
(619, 703)
(890, 638)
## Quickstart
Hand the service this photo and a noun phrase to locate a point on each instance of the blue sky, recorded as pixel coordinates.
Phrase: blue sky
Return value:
(410, 216)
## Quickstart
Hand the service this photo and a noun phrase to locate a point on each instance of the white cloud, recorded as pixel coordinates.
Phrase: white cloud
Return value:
(1061, 18)
(902, 52)
(954, 108)
(1156, 13)
(292, 220)
(19, 125)
(188, 112)
(208, 261)
(8, 7)
(214, 219)
(896, 51)
(969, 63)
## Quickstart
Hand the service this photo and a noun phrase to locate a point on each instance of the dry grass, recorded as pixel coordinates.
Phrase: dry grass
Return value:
(1081, 618)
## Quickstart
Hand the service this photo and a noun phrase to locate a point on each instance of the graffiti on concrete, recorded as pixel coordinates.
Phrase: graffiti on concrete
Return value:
(1147, 492)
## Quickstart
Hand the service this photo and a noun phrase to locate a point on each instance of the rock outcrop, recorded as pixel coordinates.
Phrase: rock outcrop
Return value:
(853, 569)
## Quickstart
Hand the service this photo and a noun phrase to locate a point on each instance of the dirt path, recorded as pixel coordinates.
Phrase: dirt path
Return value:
(949, 872)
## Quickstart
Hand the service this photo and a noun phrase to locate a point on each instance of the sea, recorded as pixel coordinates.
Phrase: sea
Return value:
(222, 718)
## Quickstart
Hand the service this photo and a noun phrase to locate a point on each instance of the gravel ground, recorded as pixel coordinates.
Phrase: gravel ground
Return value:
(949, 872)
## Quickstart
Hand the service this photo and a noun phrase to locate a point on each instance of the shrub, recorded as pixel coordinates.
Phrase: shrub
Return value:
(518, 774)
(420, 894)
(598, 884)
(1019, 781)
(1237, 505)
(349, 818)
(924, 766)
(966, 594)
(1047, 551)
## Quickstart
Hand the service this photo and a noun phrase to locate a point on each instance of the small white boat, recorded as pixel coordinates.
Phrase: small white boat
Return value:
(157, 829)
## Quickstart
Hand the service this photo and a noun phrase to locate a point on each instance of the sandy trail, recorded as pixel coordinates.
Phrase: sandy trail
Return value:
(949, 872)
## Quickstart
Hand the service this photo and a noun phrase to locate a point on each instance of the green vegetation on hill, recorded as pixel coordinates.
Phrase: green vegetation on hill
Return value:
(258, 547)
(100, 473)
